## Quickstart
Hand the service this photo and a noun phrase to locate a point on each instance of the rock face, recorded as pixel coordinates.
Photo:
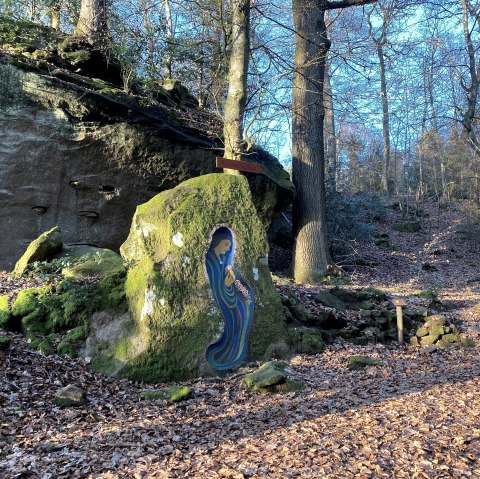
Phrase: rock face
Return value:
(176, 315)
(82, 154)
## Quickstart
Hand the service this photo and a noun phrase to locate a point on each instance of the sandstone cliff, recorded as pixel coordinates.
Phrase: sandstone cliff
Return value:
(78, 152)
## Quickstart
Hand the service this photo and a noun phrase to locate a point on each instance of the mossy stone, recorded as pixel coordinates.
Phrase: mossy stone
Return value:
(306, 340)
(74, 338)
(363, 361)
(435, 321)
(70, 396)
(330, 300)
(94, 262)
(27, 300)
(171, 394)
(430, 339)
(439, 330)
(267, 377)
(45, 347)
(5, 314)
(414, 341)
(422, 332)
(5, 342)
(174, 316)
(43, 248)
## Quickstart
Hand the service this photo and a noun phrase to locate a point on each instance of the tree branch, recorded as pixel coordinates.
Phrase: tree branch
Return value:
(346, 3)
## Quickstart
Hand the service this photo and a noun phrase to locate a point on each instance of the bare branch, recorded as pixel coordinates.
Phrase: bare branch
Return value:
(346, 3)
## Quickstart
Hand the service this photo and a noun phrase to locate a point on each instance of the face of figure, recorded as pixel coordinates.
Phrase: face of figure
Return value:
(222, 247)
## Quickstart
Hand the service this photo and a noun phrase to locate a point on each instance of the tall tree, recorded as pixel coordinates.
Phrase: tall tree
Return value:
(92, 22)
(471, 10)
(237, 80)
(311, 254)
(380, 40)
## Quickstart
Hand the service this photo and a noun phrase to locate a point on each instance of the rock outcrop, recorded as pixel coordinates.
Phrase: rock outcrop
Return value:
(176, 316)
(80, 153)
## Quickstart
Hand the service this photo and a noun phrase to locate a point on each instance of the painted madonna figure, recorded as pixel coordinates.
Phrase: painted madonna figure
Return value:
(234, 298)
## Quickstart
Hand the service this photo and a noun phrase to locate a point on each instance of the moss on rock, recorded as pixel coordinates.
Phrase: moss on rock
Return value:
(171, 394)
(306, 340)
(5, 313)
(363, 361)
(5, 342)
(43, 248)
(93, 262)
(174, 315)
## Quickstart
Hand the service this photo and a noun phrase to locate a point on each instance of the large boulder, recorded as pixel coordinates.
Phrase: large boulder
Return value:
(188, 316)
(80, 153)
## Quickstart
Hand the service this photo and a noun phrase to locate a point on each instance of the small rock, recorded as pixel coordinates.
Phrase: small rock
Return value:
(5, 342)
(70, 396)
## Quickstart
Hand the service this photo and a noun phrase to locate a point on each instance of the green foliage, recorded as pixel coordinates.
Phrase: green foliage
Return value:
(430, 293)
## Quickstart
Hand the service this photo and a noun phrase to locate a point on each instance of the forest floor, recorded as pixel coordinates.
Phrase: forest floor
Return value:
(415, 416)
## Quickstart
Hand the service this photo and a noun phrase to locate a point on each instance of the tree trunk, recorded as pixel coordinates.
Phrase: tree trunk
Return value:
(386, 181)
(330, 140)
(472, 89)
(169, 27)
(311, 255)
(92, 22)
(54, 14)
(237, 81)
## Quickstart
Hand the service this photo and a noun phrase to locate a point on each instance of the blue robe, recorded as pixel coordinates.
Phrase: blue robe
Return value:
(236, 309)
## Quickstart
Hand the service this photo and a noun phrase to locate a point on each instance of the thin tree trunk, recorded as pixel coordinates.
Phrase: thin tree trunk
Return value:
(386, 181)
(169, 27)
(237, 82)
(472, 89)
(330, 140)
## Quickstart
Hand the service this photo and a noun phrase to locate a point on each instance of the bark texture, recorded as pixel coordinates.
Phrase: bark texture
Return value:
(237, 81)
(311, 255)
(92, 22)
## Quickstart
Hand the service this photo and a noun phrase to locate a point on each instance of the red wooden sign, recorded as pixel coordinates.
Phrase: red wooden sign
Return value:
(238, 165)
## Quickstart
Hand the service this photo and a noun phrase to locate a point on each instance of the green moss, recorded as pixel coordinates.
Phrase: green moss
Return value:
(363, 361)
(5, 342)
(99, 264)
(43, 248)
(5, 314)
(306, 340)
(69, 345)
(178, 332)
(45, 347)
(376, 293)
(28, 300)
(171, 394)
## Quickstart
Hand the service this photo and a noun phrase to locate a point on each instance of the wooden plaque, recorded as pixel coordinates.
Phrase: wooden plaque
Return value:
(238, 165)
